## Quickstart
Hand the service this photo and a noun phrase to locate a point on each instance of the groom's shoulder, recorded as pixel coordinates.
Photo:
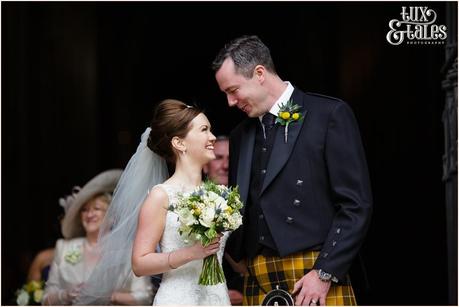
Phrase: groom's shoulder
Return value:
(322, 103)
(320, 98)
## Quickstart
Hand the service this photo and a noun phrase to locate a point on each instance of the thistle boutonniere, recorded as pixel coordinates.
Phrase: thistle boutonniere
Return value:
(73, 256)
(288, 113)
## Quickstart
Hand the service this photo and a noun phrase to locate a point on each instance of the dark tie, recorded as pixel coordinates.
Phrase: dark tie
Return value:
(268, 122)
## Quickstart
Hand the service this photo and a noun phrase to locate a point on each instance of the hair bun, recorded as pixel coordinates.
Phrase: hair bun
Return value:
(171, 118)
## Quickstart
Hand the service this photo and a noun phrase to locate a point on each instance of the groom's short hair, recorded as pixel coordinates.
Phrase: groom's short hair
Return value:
(247, 52)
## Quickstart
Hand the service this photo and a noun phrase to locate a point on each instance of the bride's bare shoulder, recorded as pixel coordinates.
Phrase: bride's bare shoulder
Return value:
(157, 196)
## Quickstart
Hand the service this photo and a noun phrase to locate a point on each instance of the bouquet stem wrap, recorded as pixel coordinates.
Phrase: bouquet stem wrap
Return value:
(212, 271)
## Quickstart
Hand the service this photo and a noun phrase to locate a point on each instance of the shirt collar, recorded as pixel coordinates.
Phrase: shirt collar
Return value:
(281, 100)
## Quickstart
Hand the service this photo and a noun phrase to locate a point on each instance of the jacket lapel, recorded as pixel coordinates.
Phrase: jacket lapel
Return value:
(245, 159)
(281, 151)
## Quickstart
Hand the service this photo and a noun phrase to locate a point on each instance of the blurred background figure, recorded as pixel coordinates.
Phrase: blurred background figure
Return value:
(76, 255)
(31, 292)
(41, 263)
(39, 268)
(217, 171)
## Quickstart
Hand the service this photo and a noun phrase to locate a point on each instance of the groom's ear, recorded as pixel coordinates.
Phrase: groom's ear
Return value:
(178, 144)
(259, 73)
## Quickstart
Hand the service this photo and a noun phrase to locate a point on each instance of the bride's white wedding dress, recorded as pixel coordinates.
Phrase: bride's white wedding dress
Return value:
(180, 286)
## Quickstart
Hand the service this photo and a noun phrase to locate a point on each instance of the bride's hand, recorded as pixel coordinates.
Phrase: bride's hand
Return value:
(201, 252)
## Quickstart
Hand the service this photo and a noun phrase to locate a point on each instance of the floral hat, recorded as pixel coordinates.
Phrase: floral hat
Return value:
(105, 182)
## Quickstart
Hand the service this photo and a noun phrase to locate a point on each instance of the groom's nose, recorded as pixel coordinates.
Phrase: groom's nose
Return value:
(232, 101)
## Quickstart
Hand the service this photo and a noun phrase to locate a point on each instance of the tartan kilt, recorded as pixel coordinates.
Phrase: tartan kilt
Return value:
(285, 272)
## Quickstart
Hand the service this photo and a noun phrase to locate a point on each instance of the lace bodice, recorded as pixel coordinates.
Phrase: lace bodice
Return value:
(180, 286)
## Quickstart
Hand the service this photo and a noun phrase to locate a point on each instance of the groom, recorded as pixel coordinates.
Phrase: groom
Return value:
(303, 179)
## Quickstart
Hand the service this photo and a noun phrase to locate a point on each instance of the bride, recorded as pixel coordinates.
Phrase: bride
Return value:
(181, 135)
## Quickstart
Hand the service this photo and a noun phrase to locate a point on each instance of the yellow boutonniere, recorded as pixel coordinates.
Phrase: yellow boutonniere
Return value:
(288, 113)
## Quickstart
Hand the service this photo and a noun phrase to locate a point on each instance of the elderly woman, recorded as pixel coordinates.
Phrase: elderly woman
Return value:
(76, 255)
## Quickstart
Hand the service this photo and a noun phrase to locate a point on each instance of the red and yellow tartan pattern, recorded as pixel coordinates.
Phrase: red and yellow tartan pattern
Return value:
(286, 271)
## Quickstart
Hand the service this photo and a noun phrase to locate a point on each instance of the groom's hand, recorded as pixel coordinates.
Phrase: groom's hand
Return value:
(310, 290)
(239, 267)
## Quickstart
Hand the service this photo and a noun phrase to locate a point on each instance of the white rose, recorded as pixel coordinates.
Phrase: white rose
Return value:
(211, 199)
(186, 217)
(23, 298)
(212, 196)
(235, 221)
(207, 217)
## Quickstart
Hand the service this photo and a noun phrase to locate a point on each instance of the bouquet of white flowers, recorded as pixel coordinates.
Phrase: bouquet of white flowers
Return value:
(208, 210)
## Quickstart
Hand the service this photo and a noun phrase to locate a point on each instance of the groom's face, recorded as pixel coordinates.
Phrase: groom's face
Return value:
(244, 93)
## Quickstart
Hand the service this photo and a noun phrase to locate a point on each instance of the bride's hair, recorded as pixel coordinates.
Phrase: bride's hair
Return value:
(171, 118)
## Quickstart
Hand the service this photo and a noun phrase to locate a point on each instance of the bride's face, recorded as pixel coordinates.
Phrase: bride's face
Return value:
(199, 141)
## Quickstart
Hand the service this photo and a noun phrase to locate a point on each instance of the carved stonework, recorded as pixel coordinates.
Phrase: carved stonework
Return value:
(449, 118)
(450, 122)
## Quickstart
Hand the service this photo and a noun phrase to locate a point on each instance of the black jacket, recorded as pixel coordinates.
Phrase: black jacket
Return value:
(316, 190)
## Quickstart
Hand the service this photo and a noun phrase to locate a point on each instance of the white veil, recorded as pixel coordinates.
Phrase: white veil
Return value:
(116, 236)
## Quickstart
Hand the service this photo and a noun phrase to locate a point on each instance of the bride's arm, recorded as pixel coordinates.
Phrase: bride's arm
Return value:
(152, 220)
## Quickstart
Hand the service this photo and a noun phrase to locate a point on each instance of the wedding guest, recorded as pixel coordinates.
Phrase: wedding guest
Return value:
(39, 268)
(300, 166)
(76, 255)
(217, 169)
